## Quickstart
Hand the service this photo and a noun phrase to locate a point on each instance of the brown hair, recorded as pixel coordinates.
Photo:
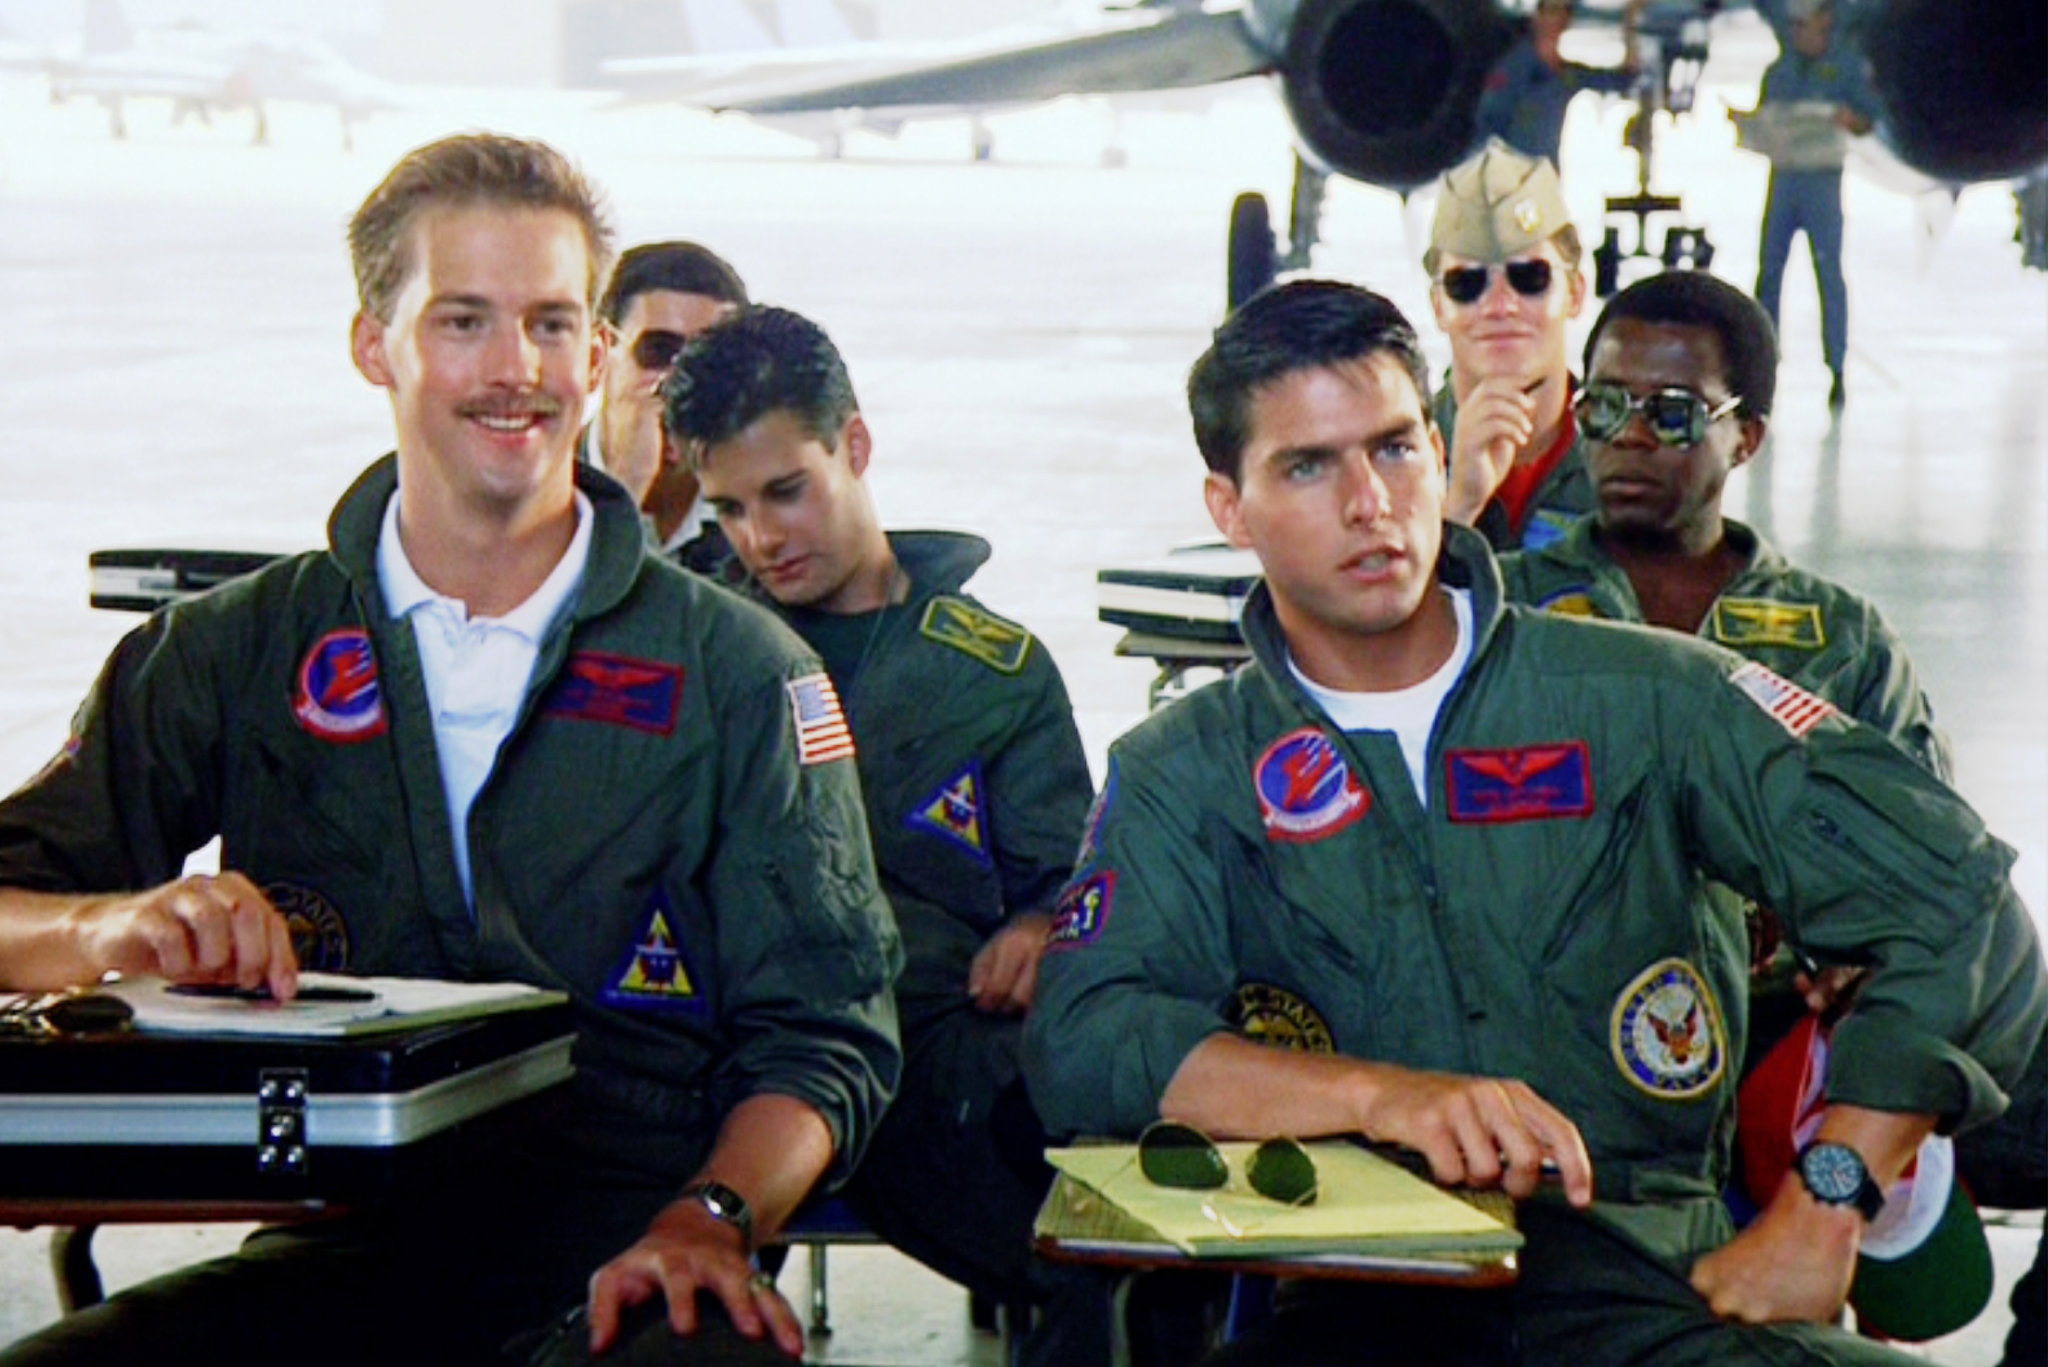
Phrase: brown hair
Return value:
(469, 169)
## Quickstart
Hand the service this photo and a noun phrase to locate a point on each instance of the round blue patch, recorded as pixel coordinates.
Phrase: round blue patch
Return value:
(338, 698)
(1306, 790)
(1667, 1035)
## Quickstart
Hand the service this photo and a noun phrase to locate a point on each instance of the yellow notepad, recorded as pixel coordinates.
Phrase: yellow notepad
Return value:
(1366, 1205)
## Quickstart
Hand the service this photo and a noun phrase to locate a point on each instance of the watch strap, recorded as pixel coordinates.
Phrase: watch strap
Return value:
(722, 1203)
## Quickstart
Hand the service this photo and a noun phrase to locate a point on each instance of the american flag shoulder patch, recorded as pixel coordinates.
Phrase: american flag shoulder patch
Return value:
(821, 731)
(1795, 709)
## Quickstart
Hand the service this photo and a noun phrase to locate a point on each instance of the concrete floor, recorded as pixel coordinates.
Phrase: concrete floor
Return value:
(174, 372)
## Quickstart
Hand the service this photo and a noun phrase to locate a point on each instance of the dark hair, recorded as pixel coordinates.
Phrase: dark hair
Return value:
(759, 361)
(1301, 325)
(1693, 298)
(471, 168)
(678, 267)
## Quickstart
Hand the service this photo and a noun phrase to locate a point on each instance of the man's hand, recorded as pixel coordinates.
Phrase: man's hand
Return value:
(687, 1250)
(1495, 421)
(198, 929)
(1794, 1262)
(1479, 1131)
(1005, 971)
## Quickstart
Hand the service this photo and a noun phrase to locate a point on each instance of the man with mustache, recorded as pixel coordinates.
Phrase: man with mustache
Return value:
(489, 734)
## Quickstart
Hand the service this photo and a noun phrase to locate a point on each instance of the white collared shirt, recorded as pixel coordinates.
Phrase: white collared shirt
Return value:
(476, 668)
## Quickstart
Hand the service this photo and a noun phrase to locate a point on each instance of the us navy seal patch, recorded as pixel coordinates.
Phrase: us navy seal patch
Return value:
(337, 698)
(1766, 622)
(1666, 1032)
(955, 622)
(1272, 1015)
(1306, 791)
(319, 934)
(1083, 911)
(956, 812)
(655, 973)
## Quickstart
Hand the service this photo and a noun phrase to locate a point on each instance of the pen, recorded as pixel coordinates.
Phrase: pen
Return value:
(232, 992)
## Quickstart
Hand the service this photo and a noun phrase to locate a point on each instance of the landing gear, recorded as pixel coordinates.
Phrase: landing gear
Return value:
(1667, 84)
(1255, 257)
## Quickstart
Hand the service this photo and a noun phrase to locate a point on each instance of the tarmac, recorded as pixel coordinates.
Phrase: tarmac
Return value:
(175, 373)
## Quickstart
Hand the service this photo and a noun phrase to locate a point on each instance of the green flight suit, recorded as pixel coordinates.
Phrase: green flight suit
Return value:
(976, 788)
(1543, 919)
(652, 840)
(1565, 495)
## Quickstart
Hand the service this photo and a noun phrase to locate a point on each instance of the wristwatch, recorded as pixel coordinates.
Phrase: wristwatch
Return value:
(726, 1205)
(1836, 1176)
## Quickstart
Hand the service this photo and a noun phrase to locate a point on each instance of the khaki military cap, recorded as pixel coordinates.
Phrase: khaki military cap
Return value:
(1498, 203)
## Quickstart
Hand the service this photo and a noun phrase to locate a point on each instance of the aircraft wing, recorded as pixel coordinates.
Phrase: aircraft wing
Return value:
(1155, 50)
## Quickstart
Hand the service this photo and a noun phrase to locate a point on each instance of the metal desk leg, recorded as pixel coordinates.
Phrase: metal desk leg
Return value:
(78, 1279)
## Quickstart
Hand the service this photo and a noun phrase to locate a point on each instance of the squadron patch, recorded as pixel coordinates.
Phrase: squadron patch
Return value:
(1547, 527)
(655, 972)
(1082, 911)
(1791, 706)
(956, 811)
(1666, 1032)
(955, 622)
(1570, 603)
(1528, 783)
(319, 934)
(1306, 791)
(1764, 622)
(1266, 1014)
(337, 698)
(617, 691)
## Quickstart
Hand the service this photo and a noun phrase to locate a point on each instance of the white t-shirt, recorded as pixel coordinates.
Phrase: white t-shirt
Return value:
(476, 669)
(1409, 713)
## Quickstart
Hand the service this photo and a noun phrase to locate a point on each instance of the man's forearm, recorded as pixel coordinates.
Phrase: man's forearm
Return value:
(1231, 1087)
(40, 943)
(772, 1150)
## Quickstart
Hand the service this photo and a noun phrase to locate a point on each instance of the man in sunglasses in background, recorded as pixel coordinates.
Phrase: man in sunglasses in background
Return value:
(1503, 261)
(1681, 370)
(660, 295)
(976, 789)
(1465, 843)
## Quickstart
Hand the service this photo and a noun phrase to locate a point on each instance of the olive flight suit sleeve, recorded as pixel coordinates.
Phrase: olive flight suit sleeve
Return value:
(1039, 791)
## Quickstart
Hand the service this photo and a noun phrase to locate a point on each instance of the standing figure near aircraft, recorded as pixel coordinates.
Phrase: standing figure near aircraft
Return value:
(1664, 356)
(1503, 260)
(1489, 900)
(659, 296)
(1817, 90)
(976, 788)
(1529, 89)
(489, 734)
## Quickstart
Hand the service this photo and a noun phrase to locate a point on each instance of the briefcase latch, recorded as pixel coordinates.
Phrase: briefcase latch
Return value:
(281, 1122)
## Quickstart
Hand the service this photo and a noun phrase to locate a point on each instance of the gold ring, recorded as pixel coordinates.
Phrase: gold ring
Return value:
(761, 1281)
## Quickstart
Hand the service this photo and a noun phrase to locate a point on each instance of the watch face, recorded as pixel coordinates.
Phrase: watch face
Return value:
(1833, 1173)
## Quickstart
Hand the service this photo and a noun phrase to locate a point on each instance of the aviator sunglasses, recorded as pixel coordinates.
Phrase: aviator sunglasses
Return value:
(1464, 284)
(1171, 1154)
(1676, 417)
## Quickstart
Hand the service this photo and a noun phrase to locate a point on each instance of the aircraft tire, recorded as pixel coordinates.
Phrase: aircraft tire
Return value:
(1254, 259)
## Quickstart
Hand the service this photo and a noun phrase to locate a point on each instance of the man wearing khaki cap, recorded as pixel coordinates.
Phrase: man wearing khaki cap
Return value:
(1503, 261)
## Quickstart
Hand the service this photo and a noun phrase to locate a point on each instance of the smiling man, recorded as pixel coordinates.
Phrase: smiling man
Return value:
(1466, 844)
(1505, 283)
(976, 789)
(489, 734)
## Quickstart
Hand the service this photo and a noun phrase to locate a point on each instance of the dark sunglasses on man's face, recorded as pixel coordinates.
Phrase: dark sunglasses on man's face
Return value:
(1464, 284)
(1676, 417)
(657, 350)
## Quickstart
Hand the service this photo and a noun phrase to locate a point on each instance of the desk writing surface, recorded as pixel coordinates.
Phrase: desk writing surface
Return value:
(1367, 1206)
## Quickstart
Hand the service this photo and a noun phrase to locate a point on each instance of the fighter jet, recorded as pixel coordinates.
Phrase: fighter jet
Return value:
(1385, 91)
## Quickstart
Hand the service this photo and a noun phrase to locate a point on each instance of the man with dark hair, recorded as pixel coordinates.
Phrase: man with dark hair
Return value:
(1503, 261)
(660, 295)
(1468, 842)
(1665, 356)
(976, 789)
(489, 735)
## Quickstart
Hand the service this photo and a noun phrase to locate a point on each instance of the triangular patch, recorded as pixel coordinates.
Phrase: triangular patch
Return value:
(655, 972)
(958, 811)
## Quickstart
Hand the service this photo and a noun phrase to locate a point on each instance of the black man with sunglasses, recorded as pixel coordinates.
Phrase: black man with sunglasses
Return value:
(1681, 370)
(1503, 261)
(659, 296)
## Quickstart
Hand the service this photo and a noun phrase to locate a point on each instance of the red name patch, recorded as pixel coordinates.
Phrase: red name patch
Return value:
(617, 691)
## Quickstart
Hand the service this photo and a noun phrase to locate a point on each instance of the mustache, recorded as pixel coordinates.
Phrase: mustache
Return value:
(531, 405)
